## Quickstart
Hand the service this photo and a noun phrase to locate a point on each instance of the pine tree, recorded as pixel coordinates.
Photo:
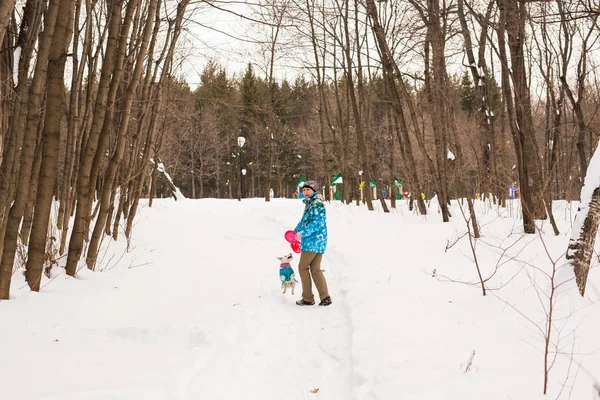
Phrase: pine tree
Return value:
(467, 93)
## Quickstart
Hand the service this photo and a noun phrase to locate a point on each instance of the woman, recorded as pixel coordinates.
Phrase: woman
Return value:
(311, 231)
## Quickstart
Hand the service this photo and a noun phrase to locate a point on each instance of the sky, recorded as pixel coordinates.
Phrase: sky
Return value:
(195, 310)
(213, 34)
(228, 33)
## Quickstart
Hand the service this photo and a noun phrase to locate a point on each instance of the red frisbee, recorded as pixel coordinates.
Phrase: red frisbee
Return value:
(290, 236)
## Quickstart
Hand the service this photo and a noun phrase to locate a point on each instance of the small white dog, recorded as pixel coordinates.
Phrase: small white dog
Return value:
(286, 273)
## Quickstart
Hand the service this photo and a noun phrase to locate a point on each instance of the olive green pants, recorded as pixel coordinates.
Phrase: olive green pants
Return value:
(310, 265)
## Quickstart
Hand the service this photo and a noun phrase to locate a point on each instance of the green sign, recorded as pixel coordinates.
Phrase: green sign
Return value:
(337, 179)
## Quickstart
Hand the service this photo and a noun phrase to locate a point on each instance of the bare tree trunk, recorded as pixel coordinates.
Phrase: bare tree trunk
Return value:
(137, 167)
(278, 13)
(5, 92)
(463, 178)
(157, 110)
(321, 92)
(553, 114)
(341, 139)
(581, 244)
(9, 171)
(85, 191)
(390, 129)
(124, 174)
(6, 9)
(51, 138)
(72, 116)
(34, 111)
(68, 194)
(437, 98)
(152, 189)
(136, 191)
(109, 117)
(389, 68)
(576, 104)
(362, 147)
(485, 117)
(445, 110)
(201, 180)
(509, 23)
(364, 107)
(515, 14)
(29, 207)
(121, 139)
(111, 210)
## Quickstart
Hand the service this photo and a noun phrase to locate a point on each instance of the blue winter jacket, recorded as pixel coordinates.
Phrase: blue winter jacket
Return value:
(313, 225)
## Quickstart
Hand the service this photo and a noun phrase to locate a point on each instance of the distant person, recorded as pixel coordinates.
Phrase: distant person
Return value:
(311, 231)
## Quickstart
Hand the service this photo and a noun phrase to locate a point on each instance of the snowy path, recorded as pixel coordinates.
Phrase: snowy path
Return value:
(267, 346)
(195, 312)
(202, 316)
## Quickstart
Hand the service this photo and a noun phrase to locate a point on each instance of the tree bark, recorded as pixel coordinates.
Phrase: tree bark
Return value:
(50, 146)
(437, 97)
(84, 189)
(110, 173)
(29, 207)
(519, 111)
(34, 110)
(30, 26)
(67, 192)
(6, 9)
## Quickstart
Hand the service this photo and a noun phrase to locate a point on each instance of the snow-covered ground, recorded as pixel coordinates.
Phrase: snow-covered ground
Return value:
(194, 310)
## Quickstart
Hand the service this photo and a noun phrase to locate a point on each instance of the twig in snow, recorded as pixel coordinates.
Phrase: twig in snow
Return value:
(470, 362)
(140, 265)
(51, 279)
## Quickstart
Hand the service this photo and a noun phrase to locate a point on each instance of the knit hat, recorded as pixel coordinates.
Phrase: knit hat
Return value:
(310, 184)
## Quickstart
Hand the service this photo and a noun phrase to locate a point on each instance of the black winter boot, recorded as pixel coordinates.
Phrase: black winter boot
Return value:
(326, 301)
(303, 302)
